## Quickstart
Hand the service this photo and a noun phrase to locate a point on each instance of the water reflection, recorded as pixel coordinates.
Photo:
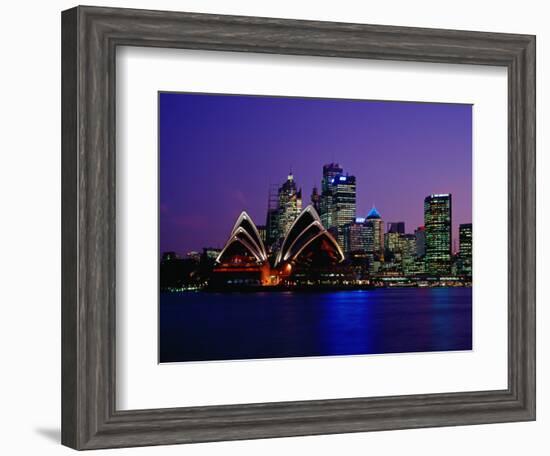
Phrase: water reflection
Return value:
(345, 323)
(214, 326)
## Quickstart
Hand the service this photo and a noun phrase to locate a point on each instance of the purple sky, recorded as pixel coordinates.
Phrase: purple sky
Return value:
(219, 154)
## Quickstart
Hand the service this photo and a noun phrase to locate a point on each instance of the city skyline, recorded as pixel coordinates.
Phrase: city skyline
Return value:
(195, 129)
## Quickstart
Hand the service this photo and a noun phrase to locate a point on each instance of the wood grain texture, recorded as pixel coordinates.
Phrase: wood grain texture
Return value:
(69, 228)
(89, 39)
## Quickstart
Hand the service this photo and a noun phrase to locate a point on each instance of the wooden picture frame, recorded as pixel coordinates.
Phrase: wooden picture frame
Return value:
(90, 36)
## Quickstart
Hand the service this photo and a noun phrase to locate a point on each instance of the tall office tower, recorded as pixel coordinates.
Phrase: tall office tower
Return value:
(375, 233)
(316, 200)
(343, 207)
(420, 234)
(392, 251)
(290, 205)
(409, 262)
(396, 227)
(262, 231)
(392, 242)
(465, 242)
(408, 246)
(272, 218)
(438, 223)
(330, 171)
(400, 248)
(355, 237)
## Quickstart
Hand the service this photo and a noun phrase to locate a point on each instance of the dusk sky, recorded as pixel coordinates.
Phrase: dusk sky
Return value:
(219, 154)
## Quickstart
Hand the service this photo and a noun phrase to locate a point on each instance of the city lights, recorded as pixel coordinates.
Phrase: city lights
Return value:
(327, 244)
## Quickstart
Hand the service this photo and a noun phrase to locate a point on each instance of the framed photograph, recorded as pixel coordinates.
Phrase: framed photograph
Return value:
(279, 228)
(317, 277)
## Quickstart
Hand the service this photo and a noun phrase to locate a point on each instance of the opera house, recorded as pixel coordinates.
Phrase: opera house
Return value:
(307, 253)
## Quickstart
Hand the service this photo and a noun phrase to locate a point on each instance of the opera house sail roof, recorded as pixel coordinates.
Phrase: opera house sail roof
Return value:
(244, 242)
(307, 232)
(306, 241)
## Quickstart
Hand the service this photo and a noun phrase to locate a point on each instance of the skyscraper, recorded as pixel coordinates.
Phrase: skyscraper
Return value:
(272, 218)
(392, 242)
(330, 170)
(465, 242)
(290, 205)
(396, 227)
(262, 231)
(355, 237)
(399, 251)
(408, 247)
(420, 234)
(316, 200)
(343, 208)
(337, 203)
(438, 225)
(375, 233)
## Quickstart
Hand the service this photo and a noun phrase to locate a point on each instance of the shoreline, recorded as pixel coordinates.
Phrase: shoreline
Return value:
(303, 289)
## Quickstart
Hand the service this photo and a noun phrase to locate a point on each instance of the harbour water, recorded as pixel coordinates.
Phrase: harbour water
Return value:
(208, 326)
